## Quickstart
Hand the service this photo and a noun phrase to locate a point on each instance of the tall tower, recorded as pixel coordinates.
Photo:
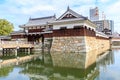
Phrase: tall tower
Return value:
(94, 14)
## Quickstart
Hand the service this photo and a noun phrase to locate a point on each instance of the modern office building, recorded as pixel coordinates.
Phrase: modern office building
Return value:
(106, 26)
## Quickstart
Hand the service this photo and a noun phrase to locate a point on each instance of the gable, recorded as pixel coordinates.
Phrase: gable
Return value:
(68, 16)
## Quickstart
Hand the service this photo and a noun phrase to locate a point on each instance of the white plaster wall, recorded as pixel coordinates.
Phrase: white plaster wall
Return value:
(67, 25)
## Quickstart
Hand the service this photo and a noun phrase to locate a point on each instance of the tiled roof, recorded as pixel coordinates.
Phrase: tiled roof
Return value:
(5, 37)
(73, 13)
(18, 32)
(40, 21)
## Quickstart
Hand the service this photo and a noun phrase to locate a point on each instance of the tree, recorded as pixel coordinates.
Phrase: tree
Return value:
(5, 27)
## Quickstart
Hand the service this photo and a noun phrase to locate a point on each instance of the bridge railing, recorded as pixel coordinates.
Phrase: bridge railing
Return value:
(11, 44)
(15, 42)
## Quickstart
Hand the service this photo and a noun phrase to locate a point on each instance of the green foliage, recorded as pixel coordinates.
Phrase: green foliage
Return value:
(5, 27)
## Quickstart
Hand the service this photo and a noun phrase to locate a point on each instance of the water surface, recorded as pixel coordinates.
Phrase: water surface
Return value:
(107, 67)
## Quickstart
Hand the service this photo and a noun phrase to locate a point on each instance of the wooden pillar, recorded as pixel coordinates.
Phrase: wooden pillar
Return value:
(16, 51)
(28, 51)
(25, 50)
(4, 52)
(9, 52)
(1, 51)
(12, 51)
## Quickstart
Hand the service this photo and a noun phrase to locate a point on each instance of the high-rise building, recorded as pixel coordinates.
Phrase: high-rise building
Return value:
(112, 26)
(106, 26)
(94, 14)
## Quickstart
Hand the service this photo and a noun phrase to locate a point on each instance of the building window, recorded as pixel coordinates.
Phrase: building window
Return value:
(42, 26)
(34, 27)
(30, 27)
(62, 28)
(77, 27)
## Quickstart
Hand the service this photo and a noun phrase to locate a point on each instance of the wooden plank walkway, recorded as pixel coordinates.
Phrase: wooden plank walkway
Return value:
(15, 44)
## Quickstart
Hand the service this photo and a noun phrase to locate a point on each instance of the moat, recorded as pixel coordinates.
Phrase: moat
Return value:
(107, 67)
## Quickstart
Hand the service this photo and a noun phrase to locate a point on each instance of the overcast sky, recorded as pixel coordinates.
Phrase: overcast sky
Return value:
(18, 12)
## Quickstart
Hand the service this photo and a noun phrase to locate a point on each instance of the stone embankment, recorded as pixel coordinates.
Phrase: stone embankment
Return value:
(77, 52)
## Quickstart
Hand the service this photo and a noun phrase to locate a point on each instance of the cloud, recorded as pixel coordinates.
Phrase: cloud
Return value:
(19, 11)
(112, 12)
(33, 6)
(37, 8)
(114, 8)
(104, 1)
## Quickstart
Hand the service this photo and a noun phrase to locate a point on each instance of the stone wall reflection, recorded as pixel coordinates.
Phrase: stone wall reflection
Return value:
(38, 70)
(74, 60)
(71, 60)
(106, 59)
(67, 68)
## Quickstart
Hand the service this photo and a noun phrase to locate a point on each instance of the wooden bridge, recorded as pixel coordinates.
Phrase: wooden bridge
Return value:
(15, 44)
(13, 47)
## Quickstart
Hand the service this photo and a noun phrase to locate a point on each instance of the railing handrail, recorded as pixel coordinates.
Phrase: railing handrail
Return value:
(15, 42)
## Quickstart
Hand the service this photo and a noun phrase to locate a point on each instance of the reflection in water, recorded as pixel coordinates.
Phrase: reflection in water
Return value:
(106, 59)
(44, 70)
(68, 66)
(5, 71)
(74, 60)
(36, 70)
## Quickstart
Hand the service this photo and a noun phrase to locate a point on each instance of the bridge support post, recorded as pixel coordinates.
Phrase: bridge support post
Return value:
(1, 51)
(16, 51)
(25, 50)
(4, 52)
(28, 51)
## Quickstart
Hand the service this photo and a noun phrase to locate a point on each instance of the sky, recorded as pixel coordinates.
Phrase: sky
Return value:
(18, 12)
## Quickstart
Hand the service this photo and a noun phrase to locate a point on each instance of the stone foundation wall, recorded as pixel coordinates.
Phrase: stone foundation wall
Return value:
(78, 51)
(104, 45)
(79, 44)
(91, 43)
(97, 43)
(68, 44)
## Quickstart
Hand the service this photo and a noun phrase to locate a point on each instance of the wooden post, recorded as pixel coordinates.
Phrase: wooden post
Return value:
(28, 51)
(9, 51)
(1, 50)
(16, 51)
(25, 50)
(4, 52)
